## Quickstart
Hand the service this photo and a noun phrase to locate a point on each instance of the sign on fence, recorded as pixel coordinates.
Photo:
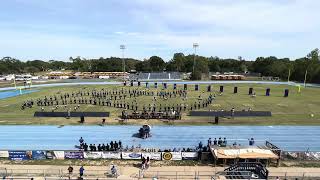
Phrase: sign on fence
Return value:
(20, 155)
(58, 154)
(152, 155)
(38, 155)
(92, 155)
(55, 154)
(171, 156)
(111, 155)
(4, 154)
(189, 155)
(73, 155)
(131, 155)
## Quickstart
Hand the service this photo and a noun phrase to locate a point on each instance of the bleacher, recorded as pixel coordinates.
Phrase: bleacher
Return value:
(175, 75)
(159, 76)
(246, 170)
(141, 76)
(156, 76)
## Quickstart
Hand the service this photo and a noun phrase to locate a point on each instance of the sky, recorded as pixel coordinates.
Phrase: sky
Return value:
(58, 29)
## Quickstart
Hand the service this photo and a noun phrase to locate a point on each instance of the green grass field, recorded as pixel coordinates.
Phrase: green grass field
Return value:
(293, 110)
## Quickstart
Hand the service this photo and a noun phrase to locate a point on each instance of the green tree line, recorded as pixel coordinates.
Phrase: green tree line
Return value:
(266, 66)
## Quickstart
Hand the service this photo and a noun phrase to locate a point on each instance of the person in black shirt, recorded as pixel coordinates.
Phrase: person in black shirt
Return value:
(200, 145)
(215, 141)
(120, 144)
(70, 170)
(219, 141)
(115, 145)
(224, 141)
(111, 145)
(85, 147)
(81, 140)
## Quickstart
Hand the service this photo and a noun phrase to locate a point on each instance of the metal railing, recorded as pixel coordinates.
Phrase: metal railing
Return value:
(52, 174)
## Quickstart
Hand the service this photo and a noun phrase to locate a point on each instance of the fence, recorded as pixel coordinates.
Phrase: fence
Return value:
(199, 175)
(51, 174)
(300, 155)
(39, 155)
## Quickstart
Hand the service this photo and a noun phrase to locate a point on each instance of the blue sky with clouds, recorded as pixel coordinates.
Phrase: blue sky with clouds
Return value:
(58, 29)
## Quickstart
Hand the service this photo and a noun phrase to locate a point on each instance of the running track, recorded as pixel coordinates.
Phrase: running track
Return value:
(290, 138)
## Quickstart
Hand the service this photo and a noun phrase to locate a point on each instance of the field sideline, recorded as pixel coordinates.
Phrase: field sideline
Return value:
(294, 110)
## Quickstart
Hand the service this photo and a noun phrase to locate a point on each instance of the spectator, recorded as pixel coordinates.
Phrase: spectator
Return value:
(143, 164)
(219, 141)
(81, 140)
(200, 145)
(147, 163)
(70, 171)
(120, 144)
(81, 171)
(251, 142)
(85, 147)
(224, 141)
(114, 171)
(111, 145)
(209, 142)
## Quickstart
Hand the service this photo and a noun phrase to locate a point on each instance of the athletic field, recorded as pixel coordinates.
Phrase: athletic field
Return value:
(298, 109)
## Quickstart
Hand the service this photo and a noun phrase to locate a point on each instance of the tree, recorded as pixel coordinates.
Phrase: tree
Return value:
(156, 63)
(31, 69)
(196, 75)
(314, 55)
(312, 64)
(179, 61)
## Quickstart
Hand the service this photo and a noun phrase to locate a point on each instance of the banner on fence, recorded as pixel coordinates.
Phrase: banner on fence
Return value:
(171, 156)
(4, 154)
(152, 155)
(111, 155)
(73, 155)
(20, 155)
(189, 155)
(38, 155)
(58, 154)
(92, 155)
(131, 155)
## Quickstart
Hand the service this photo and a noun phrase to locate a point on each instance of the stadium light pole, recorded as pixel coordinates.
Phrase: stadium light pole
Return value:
(123, 47)
(195, 46)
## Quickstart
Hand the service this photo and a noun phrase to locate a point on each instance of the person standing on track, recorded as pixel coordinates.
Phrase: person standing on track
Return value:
(81, 171)
(70, 171)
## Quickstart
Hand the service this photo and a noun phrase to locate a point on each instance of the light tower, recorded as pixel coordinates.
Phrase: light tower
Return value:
(123, 47)
(195, 46)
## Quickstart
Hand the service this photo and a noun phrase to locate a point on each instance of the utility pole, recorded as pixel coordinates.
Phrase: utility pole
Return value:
(195, 46)
(123, 47)
(305, 78)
